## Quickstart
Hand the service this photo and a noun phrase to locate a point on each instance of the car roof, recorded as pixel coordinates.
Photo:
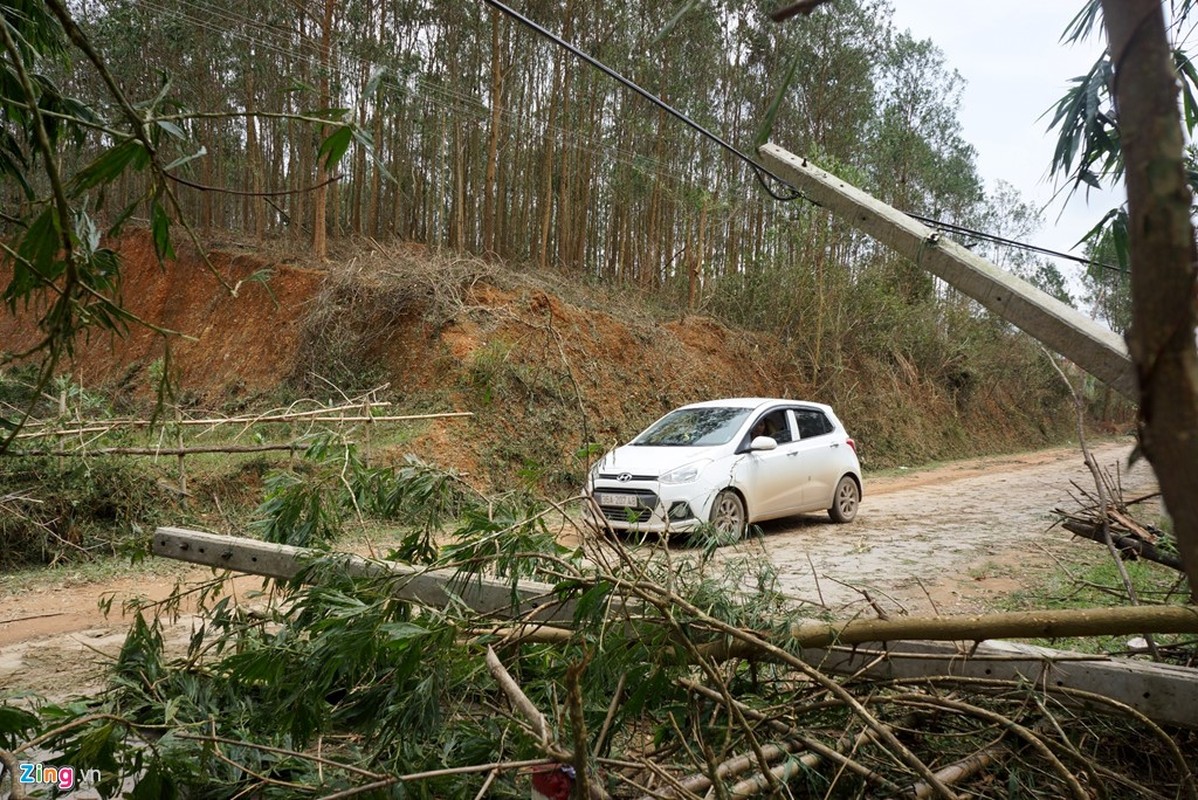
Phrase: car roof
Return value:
(755, 403)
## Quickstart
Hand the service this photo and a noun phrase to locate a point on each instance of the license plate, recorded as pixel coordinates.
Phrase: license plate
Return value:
(622, 500)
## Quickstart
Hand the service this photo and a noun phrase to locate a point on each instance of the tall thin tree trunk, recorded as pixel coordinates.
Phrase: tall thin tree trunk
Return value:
(547, 193)
(320, 244)
(1163, 255)
(490, 187)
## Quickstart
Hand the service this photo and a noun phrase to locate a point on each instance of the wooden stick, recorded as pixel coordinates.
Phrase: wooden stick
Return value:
(521, 703)
(160, 451)
(213, 422)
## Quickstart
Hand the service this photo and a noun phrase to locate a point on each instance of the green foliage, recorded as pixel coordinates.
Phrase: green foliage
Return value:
(54, 510)
(333, 684)
(1089, 151)
(64, 156)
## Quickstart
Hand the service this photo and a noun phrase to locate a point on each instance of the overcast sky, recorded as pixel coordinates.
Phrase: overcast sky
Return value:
(1009, 53)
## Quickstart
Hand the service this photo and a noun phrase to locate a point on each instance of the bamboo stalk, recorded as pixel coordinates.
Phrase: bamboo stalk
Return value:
(161, 451)
(1048, 624)
(142, 423)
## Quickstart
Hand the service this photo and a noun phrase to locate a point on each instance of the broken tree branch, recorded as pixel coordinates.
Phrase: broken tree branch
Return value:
(1125, 543)
(1051, 624)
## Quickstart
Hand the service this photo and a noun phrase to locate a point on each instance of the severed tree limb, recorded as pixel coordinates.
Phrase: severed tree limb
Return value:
(1021, 731)
(1134, 544)
(522, 704)
(9, 763)
(1188, 783)
(1103, 501)
(961, 770)
(1051, 624)
(540, 725)
(818, 750)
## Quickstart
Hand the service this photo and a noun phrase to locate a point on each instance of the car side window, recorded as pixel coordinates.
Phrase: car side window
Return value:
(812, 423)
(775, 425)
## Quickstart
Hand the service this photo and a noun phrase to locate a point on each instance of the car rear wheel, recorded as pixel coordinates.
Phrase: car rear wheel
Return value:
(728, 516)
(845, 500)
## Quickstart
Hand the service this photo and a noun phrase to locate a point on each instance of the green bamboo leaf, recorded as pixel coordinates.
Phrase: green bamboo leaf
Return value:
(109, 166)
(14, 722)
(402, 630)
(160, 228)
(767, 125)
(334, 147)
(41, 242)
(181, 160)
(171, 128)
(122, 218)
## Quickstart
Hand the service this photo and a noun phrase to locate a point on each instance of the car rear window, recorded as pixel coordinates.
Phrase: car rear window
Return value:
(812, 423)
(694, 427)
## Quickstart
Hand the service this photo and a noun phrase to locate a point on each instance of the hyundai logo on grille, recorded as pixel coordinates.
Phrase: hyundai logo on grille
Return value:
(624, 477)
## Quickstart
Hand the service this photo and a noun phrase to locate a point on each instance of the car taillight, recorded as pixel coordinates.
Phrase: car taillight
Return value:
(851, 444)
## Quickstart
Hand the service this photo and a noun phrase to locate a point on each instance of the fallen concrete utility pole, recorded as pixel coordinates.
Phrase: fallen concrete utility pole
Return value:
(1164, 693)
(431, 588)
(1093, 347)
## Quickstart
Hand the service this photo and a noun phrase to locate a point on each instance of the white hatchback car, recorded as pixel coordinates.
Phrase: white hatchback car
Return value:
(728, 463)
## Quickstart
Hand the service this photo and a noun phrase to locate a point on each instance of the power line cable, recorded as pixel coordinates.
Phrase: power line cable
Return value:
(760, 170)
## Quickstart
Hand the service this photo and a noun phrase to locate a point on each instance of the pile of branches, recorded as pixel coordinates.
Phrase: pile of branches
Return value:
(1113, 523)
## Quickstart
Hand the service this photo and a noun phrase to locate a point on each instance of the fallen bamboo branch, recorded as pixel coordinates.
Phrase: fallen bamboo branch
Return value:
(355, 412)
(961, 770)
(1139, 547)
(159, 451)
(8, 763)
(540, 725)
(818, 750)
(1049, 624)
(525, 707)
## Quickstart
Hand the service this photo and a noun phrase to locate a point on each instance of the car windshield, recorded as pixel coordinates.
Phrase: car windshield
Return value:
(694, 427)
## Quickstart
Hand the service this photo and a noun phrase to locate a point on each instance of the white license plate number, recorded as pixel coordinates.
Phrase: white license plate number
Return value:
(622, 500)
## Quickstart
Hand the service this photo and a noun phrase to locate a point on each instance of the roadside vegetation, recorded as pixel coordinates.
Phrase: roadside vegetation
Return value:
(667, 668)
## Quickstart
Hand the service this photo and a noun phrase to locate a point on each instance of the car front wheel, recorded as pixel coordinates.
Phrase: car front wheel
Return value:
(728, 516)
(845, 501)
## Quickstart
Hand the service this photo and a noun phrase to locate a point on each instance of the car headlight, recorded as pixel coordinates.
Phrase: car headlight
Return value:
(686, 473)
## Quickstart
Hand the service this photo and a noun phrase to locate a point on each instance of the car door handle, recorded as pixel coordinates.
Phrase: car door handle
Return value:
(835, 444)
(792, 454)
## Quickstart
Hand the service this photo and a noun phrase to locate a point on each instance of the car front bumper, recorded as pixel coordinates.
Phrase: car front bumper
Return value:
(647, 507)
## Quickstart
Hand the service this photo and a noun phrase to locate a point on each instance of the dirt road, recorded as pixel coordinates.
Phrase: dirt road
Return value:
(947, 539)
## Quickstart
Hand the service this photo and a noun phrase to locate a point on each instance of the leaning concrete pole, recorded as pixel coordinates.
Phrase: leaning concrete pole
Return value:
(1091, 346)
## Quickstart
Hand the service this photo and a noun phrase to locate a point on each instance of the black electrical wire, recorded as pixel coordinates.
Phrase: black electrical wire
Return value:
(758, 169)
(961, 230)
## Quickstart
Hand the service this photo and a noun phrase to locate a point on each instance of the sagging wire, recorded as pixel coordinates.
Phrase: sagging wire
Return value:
(961, 230)
(759, 171)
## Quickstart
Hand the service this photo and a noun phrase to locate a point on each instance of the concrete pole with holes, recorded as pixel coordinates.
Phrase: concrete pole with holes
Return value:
(1093, 347)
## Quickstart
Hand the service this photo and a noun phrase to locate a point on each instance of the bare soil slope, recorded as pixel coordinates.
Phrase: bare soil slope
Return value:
(544, 363)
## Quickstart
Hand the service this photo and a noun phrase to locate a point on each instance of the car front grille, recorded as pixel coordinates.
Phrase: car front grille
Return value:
(615, 476)
(646, 502)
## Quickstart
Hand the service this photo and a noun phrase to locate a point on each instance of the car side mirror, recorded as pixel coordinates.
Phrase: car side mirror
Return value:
(763, 443)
